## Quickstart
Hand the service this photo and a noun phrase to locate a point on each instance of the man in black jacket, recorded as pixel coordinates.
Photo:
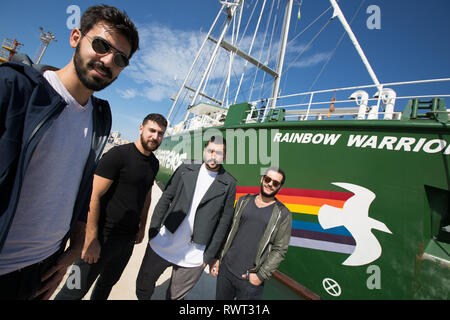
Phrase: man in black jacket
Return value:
(189, 223)
(52, 133)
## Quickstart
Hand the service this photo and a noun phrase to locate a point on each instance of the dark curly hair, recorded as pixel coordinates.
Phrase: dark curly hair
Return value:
(118, 20)
(155, 117)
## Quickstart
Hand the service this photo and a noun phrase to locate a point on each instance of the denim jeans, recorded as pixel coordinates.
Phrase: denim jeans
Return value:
(230, 286)
(114, 256)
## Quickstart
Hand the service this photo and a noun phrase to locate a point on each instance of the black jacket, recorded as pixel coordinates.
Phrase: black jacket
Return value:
(214, 213)
(28, 106)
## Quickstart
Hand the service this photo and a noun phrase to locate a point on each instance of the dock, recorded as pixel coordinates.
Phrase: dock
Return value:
(125, 288)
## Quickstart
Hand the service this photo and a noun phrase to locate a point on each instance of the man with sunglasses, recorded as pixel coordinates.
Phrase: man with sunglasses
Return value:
(52, 133)
(257, 243)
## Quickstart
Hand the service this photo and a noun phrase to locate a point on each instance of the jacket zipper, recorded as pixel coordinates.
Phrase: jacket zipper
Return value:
(233, 224)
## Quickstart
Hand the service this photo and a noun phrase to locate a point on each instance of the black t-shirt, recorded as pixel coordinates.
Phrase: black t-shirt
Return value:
(133, 174)
(240, 257)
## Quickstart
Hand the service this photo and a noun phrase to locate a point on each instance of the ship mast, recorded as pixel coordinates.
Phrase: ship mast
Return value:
(175, 100)
(284, 38)
(231, 9)
(340, 15)
(232, 48)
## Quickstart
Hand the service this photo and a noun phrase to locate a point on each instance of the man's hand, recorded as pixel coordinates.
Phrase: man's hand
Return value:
(214, 268)
(52, 278)
(91, 250)
(253, 279)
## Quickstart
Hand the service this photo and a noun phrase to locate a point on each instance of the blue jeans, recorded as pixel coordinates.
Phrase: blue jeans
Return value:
(230, 286)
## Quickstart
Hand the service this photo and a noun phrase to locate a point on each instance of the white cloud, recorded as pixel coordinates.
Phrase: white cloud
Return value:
(157, 92)
(128, 93)
(167, 54)
(311, 60)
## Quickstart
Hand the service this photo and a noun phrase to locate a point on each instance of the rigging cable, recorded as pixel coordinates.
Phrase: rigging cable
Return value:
(334, 50)
(269, 52)
(251, 47)
(303, 31)
(262, 50)
(307, 46)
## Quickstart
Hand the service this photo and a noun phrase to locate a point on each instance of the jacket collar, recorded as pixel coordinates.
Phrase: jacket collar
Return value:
(217, 188)
(220, 175)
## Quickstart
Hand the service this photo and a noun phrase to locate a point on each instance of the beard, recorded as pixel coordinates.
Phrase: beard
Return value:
(146, 145)
(211, 168)
(82, 70)
(212, 164)
(268, 195)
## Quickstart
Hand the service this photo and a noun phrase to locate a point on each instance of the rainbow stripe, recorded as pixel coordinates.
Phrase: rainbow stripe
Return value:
(306, 230)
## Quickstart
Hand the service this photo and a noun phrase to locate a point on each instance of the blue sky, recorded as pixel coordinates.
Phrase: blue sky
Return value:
(412, 44)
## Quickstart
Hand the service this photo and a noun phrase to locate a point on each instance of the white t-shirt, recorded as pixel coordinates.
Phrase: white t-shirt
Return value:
(177, 247)
(50, 185)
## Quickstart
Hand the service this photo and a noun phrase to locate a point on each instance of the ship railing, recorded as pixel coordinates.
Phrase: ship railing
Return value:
(349, 102)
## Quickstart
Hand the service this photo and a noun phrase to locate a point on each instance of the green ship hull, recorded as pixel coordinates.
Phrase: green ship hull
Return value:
(367, 181)
(369, 199)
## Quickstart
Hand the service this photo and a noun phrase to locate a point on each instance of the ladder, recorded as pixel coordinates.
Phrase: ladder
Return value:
(434, 109)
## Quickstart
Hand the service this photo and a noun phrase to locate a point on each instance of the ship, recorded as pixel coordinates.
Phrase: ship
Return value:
(367, 167)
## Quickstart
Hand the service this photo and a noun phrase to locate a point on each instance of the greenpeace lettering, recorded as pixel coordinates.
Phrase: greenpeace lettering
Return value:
(170, 159)
(243, 147)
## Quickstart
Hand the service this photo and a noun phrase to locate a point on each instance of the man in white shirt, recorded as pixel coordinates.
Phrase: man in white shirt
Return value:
(189, 223)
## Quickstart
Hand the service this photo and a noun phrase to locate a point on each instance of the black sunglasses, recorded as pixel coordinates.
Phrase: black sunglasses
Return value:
(275, 183)
(101, 46)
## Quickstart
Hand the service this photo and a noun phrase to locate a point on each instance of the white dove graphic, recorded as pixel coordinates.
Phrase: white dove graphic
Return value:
(354, 216)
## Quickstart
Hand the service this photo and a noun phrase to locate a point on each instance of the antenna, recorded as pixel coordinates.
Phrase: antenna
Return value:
(46, 38)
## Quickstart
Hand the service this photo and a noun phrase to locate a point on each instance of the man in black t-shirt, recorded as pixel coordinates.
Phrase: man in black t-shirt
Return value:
(118, 211)
(257, 243)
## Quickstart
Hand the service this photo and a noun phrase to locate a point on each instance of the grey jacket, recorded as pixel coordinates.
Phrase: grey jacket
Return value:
(214, 213)
(274, 243)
